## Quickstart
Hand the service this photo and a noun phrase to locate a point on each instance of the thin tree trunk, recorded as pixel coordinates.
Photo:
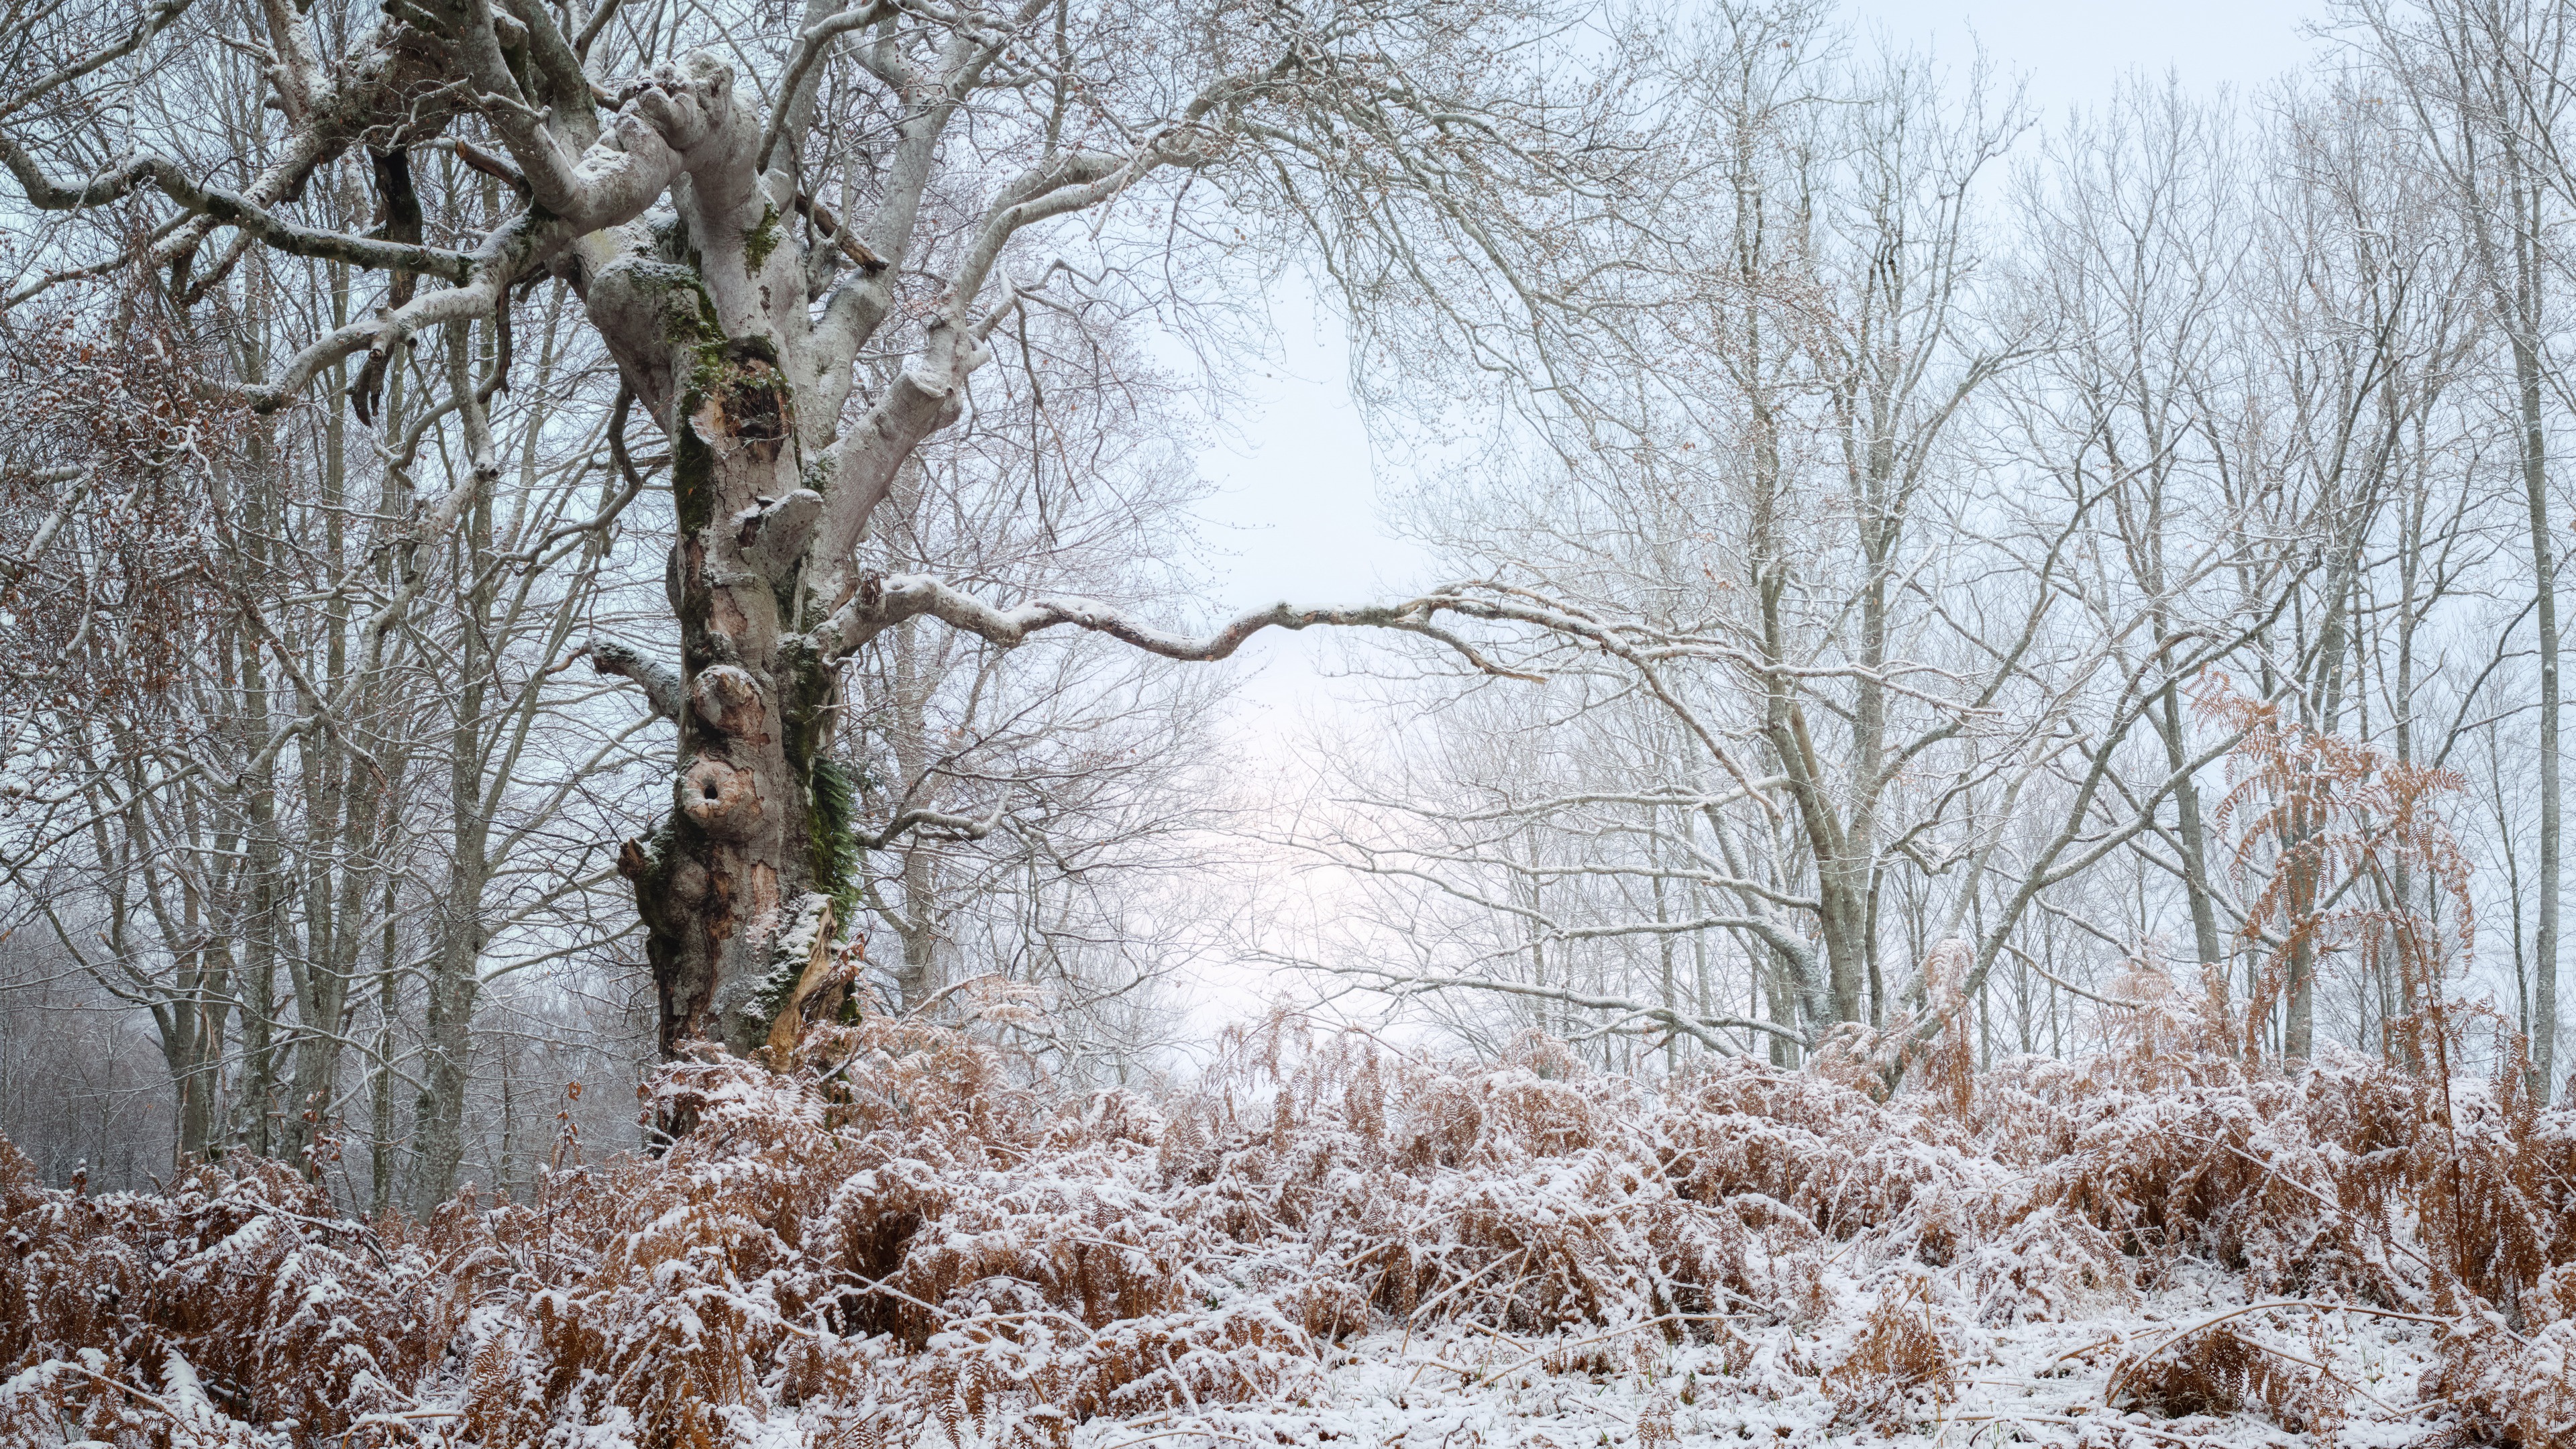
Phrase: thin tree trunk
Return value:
(438, 1118)
(2544, 583)
(2193, 833)
(380, 1135)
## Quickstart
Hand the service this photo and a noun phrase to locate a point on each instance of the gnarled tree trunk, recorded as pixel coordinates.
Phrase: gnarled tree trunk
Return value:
(708, 322)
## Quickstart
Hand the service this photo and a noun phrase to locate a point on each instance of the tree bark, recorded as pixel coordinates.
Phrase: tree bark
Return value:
(380, 1086)
(705, 320)
(2544, 1007)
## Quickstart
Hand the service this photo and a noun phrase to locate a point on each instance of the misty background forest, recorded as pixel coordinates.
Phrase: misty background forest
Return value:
(627, 815)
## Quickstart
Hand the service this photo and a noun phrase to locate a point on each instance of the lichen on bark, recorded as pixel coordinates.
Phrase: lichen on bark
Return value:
(759, 242)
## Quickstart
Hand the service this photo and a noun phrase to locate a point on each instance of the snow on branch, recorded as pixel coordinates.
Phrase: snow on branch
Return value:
(884, 601)
(659, 681)
(1702, 1029)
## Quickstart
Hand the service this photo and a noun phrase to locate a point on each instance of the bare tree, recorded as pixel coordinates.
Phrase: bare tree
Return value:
(1742, 552)
(2483, 80)
(747, 224)
(1784, 608)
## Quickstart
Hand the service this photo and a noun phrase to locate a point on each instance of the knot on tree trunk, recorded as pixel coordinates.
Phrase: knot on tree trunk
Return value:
(683, 103)
(728, 699)
(742, 401)
(720, 796)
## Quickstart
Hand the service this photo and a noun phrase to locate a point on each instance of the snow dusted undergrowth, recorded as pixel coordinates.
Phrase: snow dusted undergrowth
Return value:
(895, 1239)
(2039, 1384)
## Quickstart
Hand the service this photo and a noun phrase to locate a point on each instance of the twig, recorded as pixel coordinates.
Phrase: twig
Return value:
(1420, 1308)
(2116, 1425)
(1600, 1338)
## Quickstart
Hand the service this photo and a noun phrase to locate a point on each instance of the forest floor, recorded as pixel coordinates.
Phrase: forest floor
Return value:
(2039, 1384)
(901, 1238)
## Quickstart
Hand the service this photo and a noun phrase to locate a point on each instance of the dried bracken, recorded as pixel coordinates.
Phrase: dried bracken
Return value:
(900, 1230)
(2216, 1373)
(1898, 1367)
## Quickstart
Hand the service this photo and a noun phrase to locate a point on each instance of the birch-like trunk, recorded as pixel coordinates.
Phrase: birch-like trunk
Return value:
(2544, 585)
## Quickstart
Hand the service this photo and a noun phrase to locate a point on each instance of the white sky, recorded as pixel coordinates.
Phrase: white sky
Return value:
(2072, 50)
(1298, 501)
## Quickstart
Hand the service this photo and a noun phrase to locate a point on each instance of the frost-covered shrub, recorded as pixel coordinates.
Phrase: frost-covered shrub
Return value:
(898, 1231)
(239, 1295)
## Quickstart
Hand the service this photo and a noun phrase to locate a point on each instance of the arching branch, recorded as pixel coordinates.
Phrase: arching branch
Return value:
(884, 601)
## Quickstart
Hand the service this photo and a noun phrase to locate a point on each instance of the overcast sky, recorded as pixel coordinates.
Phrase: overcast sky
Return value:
(1297, 502)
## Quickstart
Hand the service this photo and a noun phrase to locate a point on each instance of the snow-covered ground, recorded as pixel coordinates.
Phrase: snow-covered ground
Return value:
(2039, 1384)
